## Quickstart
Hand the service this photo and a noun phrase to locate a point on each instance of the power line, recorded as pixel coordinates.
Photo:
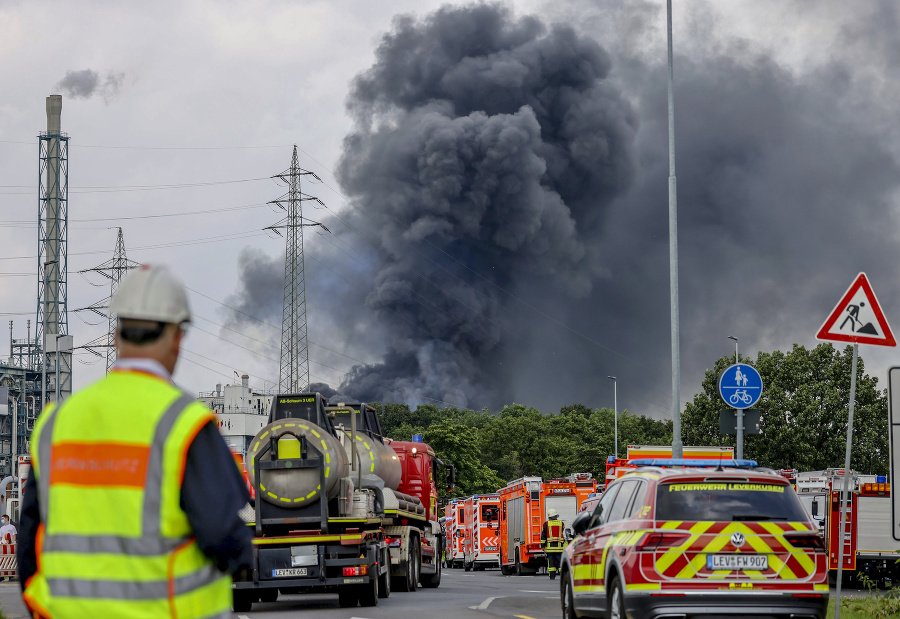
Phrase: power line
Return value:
(130, 188)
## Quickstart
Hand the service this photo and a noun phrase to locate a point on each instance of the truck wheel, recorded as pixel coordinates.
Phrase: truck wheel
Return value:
(268, 596)
(408, 580)
(368, 593)
(417, 562)
(243, 600)
(433, 581)
(467, 566)
(518, 564)
(384, 582)
(348, 597)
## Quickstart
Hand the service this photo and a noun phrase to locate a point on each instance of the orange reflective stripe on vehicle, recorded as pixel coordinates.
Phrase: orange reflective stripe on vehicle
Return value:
(99, 464)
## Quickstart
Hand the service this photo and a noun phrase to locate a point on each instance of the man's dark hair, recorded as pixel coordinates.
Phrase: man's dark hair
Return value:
(140, 331)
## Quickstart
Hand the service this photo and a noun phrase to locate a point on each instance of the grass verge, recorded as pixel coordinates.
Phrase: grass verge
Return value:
(867, 608)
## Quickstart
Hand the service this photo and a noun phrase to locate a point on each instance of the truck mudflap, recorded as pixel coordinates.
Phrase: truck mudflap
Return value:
(299, 563)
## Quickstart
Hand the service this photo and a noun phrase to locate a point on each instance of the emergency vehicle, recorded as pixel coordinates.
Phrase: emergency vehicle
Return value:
(616, 467)
(524, 504)
(869, 546)
(455, 511)
(482, 538)
(685, 542)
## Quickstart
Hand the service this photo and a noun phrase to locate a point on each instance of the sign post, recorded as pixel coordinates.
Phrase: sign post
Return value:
(740, 386)
(857, 318)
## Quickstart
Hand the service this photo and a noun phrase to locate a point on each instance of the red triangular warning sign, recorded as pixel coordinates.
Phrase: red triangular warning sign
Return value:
(858, 318)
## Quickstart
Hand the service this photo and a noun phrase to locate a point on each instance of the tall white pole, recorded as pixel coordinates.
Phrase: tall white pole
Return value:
(739, 413)
(615, 412)
(673, 256)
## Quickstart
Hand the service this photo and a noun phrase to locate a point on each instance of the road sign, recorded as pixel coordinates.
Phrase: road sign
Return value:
(740, 386)
(858, 318)
(894, 434)
(728, 421)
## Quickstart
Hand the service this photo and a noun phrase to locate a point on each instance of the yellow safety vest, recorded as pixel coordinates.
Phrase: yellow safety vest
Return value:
(556, 541)
(113, 540)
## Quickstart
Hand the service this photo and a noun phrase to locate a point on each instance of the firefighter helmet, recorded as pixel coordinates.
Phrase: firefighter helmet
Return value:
(552, 514)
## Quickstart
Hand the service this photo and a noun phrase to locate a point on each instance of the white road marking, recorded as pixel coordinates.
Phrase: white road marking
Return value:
(485, 604)
(243, 617)
(530, 591)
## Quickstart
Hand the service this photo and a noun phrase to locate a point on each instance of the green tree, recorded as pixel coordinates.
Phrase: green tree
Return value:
(457, 444)
(803, 412)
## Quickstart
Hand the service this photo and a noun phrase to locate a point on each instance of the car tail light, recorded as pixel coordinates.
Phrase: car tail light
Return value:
(805, 540)
(359, 570)
(657, 539)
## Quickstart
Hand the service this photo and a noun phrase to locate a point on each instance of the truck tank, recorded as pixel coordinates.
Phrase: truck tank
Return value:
(375, 457)
(300, 415)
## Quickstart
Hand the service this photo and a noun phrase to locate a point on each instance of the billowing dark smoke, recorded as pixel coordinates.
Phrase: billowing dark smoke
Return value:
(486, 152)
(518, 209)
(86, 83)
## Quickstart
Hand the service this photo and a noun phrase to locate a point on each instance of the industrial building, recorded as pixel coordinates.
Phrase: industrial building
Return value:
(240, 412)
(39, 367)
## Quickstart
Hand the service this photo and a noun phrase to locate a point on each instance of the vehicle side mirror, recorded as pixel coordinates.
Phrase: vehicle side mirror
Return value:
(580, 524)
(451, 478)
(569, 534)
(815, 509)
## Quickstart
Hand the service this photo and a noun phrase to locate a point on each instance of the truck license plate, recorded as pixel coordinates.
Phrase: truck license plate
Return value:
(296, 571)
(737, 562)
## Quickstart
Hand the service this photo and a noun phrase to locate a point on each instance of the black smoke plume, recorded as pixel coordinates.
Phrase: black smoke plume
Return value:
(511, 176)
(486, 152)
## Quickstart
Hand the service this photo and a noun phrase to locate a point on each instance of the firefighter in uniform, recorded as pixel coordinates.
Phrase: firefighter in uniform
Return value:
(553, 541)
(131, 506)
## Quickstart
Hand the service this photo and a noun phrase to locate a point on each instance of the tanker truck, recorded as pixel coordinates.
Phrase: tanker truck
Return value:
(338, 508)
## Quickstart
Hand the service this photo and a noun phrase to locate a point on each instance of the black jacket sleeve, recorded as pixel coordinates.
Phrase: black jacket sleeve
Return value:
(29, 519)
(212, 494)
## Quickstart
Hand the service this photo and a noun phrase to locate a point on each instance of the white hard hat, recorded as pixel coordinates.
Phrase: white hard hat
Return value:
(151, 293)
(552, 513)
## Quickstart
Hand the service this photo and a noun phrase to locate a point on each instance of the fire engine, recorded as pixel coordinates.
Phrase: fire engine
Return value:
(455, 512)
(616, 467)
(524, 504)
(869, 547)
(482, 538)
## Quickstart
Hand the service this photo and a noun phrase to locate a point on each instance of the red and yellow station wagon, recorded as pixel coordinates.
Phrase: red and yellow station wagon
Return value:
(679, 543)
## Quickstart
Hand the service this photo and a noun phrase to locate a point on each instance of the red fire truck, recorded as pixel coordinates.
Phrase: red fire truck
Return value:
(524, 504)
(482, 538)
(455, 513)
(616, 467)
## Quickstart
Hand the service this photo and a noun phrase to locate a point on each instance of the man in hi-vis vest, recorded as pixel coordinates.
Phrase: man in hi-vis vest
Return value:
(553, 540)
(131, 506)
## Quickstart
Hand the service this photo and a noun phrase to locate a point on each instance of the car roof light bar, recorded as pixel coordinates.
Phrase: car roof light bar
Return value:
(693, 463)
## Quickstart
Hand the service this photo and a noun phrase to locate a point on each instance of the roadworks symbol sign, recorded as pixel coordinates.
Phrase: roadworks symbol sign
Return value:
(858, 318)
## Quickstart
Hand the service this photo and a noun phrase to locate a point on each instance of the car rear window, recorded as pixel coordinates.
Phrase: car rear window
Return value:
(727, 500)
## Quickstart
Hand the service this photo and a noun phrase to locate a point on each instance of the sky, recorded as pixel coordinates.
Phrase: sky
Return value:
(493, 177)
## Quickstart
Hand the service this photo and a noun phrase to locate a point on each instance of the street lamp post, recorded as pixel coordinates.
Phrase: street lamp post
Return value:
(739, 412)
(615, 412)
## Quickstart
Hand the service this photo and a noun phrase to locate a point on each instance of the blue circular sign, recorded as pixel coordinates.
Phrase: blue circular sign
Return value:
(740, 386)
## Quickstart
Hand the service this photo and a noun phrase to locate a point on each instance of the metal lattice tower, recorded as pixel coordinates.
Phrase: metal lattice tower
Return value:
(53, 223)
(294, 371)
(115, 270)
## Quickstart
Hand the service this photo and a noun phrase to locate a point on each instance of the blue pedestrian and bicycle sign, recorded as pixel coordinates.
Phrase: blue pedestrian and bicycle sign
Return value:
(740, 386)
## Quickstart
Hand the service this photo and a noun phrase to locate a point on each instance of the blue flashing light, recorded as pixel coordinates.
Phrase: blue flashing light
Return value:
(610, 459)
(688, 462)
(592, 494)
(881, 479)
(417, 438)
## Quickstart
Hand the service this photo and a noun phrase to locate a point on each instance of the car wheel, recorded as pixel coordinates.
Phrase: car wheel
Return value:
(567, 599)
(616, 601)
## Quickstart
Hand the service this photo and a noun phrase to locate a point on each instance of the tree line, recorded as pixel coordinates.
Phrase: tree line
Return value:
(803, 418)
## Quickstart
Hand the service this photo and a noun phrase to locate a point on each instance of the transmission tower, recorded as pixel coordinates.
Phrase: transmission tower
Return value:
(115, 270)
(294, 371)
